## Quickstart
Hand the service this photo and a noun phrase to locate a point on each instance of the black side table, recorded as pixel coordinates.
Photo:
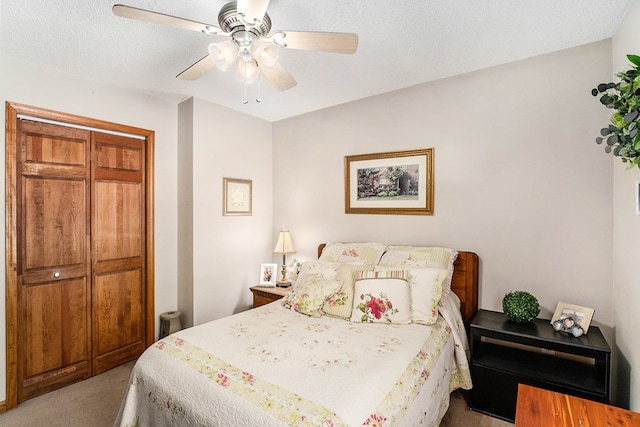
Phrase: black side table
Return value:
(504, 354)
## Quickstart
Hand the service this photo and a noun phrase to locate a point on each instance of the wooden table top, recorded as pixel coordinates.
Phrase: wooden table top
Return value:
(537, 407)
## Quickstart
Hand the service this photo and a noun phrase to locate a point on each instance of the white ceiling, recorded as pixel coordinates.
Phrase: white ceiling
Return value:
(402, 43)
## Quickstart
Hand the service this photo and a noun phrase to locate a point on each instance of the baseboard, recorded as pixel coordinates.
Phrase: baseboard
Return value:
(3, 407)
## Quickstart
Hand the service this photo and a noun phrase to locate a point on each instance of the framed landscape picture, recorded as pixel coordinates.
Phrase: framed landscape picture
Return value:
(393, 183)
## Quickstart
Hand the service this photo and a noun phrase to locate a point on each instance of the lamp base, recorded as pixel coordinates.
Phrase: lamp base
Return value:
(283, 284)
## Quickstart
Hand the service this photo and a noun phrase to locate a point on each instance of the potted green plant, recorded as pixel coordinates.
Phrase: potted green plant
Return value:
(520, 306)
(622, 136)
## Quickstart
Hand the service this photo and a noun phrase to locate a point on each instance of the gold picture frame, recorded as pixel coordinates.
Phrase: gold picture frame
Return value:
(236, 196)
(583, 314)
(392, 183)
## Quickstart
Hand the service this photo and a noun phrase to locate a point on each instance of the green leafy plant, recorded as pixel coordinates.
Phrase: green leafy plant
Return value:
(520, 306)
(622, 136)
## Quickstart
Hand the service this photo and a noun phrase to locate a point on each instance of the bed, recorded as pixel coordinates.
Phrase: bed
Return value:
(288, 364)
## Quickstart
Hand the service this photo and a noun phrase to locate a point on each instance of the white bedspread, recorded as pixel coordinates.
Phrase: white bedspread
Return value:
(271, 366)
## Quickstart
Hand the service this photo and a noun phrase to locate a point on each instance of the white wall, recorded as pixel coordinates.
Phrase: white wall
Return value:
(518, 178)
(626, 234)
(27, 84)
(228, 250)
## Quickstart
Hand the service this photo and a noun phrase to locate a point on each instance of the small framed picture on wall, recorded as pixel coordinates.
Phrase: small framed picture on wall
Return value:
(236, 196)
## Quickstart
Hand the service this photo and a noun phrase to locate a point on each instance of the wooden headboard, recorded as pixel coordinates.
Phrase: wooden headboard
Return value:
(464, 283)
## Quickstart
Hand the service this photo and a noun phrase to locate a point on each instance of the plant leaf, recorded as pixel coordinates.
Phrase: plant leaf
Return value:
(635, 59)
(616, 151)
(605, 131)
(612, 139)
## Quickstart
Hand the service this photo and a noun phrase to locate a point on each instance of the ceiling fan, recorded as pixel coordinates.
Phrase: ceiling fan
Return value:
(245, 42)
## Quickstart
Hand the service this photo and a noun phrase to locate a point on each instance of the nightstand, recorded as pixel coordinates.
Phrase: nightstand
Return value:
(264, 295)
(505, 354)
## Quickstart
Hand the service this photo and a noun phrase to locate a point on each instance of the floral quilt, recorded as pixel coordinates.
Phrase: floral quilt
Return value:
(271, 366)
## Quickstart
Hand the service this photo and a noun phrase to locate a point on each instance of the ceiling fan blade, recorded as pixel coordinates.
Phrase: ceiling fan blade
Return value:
(278, 77)
(197, 69)
(252, 9)
(346, 43)
(160, 18)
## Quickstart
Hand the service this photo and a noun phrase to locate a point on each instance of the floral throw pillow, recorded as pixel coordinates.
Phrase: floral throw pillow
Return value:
(340, 304)
(380, 299)
(310, 293)
(328, 270)
(363, 253)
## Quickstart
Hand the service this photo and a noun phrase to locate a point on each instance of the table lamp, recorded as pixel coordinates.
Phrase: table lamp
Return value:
(284, 247)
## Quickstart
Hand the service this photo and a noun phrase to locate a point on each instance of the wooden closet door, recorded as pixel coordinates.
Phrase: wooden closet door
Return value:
(118, 218)
(53, 310)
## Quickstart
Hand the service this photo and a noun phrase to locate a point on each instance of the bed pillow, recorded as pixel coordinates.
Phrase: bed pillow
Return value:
(382, 297)
(421, 257)
(310, 293)
(328, 270)
(425, 286)
(340, 304)
(367, 253)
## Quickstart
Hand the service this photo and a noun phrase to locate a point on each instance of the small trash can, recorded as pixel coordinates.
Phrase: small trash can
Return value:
(169, 323)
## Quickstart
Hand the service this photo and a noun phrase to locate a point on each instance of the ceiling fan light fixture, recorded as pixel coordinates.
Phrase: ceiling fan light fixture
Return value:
(251, 50)
(223, 54)
(248, 71)
(244, 53)
(265, 54)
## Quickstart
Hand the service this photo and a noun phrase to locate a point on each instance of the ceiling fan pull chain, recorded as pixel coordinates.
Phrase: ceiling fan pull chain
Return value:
(258, 98)
(244, 98)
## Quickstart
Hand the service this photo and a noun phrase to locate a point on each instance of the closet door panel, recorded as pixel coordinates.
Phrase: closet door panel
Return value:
(119, 224)
(55, 222)
(118, 218)
(55, 335)
(53, 267)
(118, 328)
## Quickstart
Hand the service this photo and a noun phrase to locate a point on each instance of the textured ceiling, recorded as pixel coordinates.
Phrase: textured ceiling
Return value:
(402, 43)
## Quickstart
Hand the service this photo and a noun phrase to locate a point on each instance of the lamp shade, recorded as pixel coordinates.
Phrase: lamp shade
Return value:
(284, 245)
(248, 71)
(223, 54)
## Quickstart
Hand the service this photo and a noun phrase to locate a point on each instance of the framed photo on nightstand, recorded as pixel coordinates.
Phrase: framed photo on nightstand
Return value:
(268, 273)
(582, 314)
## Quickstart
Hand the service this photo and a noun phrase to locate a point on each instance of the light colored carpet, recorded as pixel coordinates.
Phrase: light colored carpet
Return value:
(95, 402)
(459, 415)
